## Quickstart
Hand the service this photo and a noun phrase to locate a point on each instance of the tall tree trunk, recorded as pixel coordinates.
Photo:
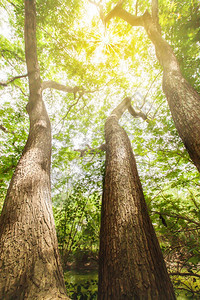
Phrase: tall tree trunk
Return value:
(29, 259)
(131, 265)
(183, 100)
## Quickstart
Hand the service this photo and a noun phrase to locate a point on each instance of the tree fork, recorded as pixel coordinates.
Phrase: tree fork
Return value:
(131, 265)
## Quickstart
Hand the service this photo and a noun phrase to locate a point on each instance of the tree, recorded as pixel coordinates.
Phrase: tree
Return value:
(162, 160)
(131, 265)
(183, 100)
(30, 264)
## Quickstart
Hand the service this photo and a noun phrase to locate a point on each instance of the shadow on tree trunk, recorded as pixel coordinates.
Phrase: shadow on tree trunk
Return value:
(131, 265)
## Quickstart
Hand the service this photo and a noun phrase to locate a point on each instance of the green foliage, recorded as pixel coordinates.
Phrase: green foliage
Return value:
(187, 287)
(76, 49)
(176, 219)
(82, 291)
(182, 29)
(81, 284)
(77, 223)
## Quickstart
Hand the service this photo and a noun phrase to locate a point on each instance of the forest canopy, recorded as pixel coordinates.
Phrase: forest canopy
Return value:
(88, 65)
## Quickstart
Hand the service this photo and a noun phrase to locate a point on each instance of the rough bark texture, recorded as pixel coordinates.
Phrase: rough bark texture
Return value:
(131, 264)
(183, 100)
(29, 259)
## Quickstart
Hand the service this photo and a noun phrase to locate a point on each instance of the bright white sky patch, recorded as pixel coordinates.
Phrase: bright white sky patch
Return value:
(91, 11)
(5, 28)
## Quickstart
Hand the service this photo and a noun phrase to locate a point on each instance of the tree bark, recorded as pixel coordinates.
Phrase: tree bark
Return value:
(131, 265)
(183, 100)
(29, 259)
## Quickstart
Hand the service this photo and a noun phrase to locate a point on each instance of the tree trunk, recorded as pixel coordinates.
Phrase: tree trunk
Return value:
(29, 259)
(183, 100)
(131, 265)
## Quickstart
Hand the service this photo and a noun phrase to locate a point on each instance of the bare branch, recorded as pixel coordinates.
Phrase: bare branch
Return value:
(3, 128)
(99, 6)
(177, 216)
(12, 4)
(126, 104)
(144, 99)
(136, 8)
(154, 11)
(61, 87)
(138, 114)
(12, 79)
(185, 274)
(120, 109)
(118, 11)
(72, 105)
(81, 92)
(91, 151)
(26, 95)
(65, 116)
(68, 89)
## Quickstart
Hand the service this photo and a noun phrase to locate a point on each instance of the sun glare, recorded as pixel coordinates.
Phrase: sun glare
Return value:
(104, 41)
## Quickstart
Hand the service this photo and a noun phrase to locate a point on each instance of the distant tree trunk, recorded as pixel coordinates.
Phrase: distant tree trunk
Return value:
(29, 260)
(183, 100)
(131, 265)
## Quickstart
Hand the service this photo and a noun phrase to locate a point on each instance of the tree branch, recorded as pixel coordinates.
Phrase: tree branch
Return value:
(154, 12)
(99, 6)
(68, 89)
(117, 112)
(18, 87)
(4, 129)
(185, 274)
(57, 86)
(100, 9)
(177, 216)
(12, 3)
(126, 104)
(164, 52)
(12, 79)
(120, 109)
(72, 105)
(118, 11)
(65, 88)
(137, 114)
(144, 99)
(90, 150)
(136, 8)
